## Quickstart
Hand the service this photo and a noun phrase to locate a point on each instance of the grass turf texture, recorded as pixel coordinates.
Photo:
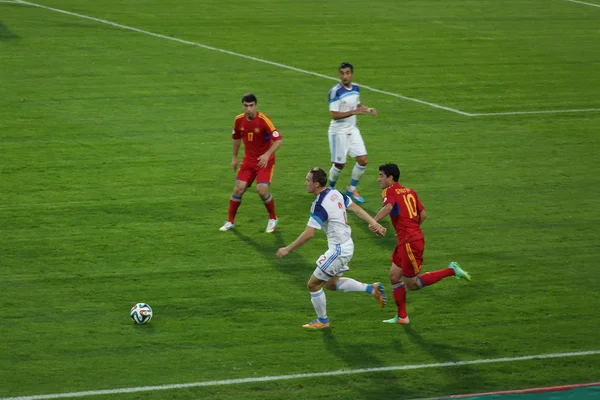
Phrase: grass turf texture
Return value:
(115, 174)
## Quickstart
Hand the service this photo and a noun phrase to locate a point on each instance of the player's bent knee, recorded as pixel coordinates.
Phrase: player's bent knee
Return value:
(339, 166)
(263, 191)
(362, 161)
(395, 277)
(412, 285)
(331, 285)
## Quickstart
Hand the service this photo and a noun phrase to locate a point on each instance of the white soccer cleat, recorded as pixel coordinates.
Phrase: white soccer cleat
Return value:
(270, 226)
(226, 227)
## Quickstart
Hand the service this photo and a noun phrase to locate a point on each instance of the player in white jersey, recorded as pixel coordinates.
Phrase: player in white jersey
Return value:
(344, 136)
(328, 212)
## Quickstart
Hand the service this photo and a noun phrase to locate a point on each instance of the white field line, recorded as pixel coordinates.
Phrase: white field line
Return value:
(301, 376)
(583, 2)
(276, 64)
(240, 55)
(533, 112)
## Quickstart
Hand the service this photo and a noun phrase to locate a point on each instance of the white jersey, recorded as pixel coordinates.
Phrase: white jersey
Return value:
(328, 212)
(342, 99)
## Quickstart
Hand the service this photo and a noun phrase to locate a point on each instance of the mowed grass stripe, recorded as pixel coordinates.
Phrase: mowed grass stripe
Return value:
(242, 56)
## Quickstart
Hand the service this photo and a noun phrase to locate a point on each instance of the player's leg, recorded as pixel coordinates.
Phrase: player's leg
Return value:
(334, 173)
(243, 179)
(357, 149)
(399, 293)
(404, 266)
(429, 278)
(263, 179)
(414, 250)
(335, 262)
(319, 302)
(338, 148)
(351, 285)
(330, 265)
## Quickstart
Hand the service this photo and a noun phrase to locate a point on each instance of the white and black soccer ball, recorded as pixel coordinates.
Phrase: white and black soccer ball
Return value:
(141, 313)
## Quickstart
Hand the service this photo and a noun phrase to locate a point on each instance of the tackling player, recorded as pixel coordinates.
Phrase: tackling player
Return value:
(407, 214)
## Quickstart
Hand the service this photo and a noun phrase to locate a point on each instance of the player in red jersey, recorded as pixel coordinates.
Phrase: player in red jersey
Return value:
(261, 141)
(407, 214)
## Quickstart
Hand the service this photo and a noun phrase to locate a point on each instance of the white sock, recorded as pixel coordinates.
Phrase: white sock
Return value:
(350, 285)
(357, 173)
(334, 174)
(319, 303)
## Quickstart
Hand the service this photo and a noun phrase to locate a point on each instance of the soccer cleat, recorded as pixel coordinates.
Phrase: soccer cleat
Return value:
(357, 197)
(271, 226)
(316, 324)
(226, 227)
(397, 320)
(379, 294)
(459, 273)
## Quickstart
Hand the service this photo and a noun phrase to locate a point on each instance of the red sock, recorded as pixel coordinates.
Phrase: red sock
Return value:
(429, 278)
(233, 207)
(400, 298)
(270, 206)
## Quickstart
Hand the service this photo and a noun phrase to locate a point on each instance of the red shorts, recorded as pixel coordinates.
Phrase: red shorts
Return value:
(409, 257)
(248, 173)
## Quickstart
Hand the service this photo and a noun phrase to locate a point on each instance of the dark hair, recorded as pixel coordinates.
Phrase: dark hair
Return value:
(346, 64)
(249, 98)
(319, 176)
(392, 170)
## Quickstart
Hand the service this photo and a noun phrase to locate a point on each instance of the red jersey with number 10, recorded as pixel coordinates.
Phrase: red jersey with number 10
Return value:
(405, 212)
(258, 136)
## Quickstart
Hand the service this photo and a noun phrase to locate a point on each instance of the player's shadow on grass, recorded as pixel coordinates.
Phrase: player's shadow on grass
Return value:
(6, 34)
(290, 264)
(363, 356)
(445, 353)
(147, 329)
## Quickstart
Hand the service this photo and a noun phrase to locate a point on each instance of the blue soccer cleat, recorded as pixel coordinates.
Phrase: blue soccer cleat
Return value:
(354, 195)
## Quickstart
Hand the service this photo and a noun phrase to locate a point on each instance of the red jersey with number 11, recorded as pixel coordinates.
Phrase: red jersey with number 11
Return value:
(405, 212)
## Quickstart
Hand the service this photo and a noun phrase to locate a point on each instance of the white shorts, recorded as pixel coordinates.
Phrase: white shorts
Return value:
(346, 144)
(335, 261)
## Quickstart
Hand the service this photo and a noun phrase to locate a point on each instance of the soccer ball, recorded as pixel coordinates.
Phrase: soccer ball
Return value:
(141, 313)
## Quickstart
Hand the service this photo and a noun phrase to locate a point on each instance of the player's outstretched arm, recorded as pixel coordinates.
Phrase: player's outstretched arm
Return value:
(384, 212)
(374, 226)
(304, 237)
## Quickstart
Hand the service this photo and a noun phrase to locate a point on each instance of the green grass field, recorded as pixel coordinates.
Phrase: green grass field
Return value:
(115, 175)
